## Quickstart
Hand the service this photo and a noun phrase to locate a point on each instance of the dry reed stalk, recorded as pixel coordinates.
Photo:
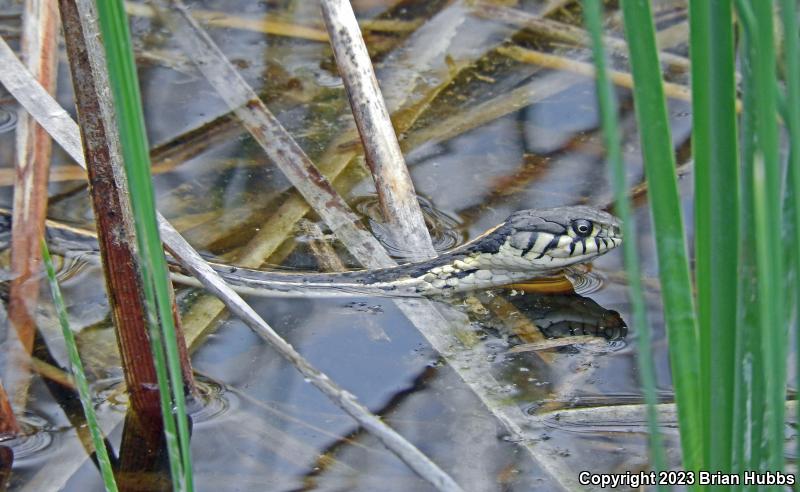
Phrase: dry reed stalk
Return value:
(165, 156)
(322, 250)
(395, 189)
(112, 209)
(556, 343)
(555, 62)
(224, 19)
(274, 27)
(39, 50)
(566, 33)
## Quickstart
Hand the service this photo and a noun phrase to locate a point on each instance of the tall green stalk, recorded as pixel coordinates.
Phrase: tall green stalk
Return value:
(716, 229)
(676, 285)
(700, 56)
(607, 101)
(792, 118)
(130, 118)
(749, 375)
(769, 253)
(76, 369)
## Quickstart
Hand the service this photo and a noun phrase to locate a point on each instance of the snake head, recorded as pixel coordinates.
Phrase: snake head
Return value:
(554, 238)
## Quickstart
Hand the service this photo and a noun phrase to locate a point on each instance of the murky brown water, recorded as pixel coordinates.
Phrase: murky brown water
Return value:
(533, 142)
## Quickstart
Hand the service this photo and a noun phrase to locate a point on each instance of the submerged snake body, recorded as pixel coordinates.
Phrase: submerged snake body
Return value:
(529, 244)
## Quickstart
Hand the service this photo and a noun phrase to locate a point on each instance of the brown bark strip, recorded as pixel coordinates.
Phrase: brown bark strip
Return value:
(40, 31)
(8, 422)
(6, 464)
(113, 214)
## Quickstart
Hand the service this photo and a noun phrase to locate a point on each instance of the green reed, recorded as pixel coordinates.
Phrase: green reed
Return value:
(78, 375)
(791, 53)
(764, 179)
(665, 206)
(130, 119)
(607, 102)
(729, 353)
(716, 167)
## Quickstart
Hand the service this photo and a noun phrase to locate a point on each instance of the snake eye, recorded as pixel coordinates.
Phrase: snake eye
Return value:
(582, 227)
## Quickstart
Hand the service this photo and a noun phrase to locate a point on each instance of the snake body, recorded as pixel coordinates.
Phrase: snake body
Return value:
(529, 244)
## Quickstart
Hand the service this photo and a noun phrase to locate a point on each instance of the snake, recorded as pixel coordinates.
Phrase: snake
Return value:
(529, 244)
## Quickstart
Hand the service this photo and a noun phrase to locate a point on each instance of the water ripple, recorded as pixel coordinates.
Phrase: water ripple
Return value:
(213, 401)
(8, 120)
(445, 231)
(35, 436)
(586, 283)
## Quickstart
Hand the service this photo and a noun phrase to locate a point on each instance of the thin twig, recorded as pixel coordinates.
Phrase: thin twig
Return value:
(47, 111)
(395, 189)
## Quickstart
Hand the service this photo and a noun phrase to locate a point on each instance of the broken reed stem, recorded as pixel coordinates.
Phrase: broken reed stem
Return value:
(395, 189)
(112, 209)
(33, 150)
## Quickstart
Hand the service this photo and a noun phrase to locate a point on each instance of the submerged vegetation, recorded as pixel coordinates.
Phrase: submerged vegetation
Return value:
(498, 108)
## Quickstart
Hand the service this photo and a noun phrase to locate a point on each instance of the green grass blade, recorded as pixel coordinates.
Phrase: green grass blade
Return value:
(769, 252)
(749, 376)
(676, 286)
(130, 118)
(792, 118)
(76, 368)
(716, 229)
(700, 57)
(607, 102)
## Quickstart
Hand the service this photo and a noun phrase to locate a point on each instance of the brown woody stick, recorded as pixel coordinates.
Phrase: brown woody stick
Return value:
(112, 209)
(8, 422)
